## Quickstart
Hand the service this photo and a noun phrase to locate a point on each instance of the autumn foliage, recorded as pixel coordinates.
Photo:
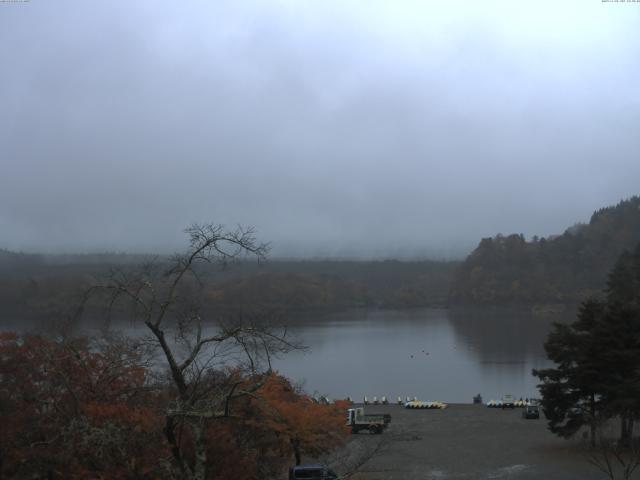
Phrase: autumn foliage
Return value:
(79, 409)
(283, 423)
(305, 427)
(70, 411)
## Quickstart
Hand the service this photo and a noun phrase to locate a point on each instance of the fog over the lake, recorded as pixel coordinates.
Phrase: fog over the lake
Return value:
(336, 128)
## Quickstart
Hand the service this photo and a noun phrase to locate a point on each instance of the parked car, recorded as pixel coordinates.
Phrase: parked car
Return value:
(531, 411)
(312, 472)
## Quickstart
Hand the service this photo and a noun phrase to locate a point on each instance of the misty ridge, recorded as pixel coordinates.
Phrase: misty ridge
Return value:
(502, 270)
(402, 131)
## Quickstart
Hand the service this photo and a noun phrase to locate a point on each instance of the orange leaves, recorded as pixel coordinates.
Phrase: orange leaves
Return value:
(74, 409)
(313, 427)
(267, 428)
(77, 409)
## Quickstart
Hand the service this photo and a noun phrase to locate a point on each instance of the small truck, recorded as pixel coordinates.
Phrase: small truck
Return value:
(374, 423)
(508, 402)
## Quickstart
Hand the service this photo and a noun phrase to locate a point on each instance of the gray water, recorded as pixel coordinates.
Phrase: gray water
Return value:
(432, 354)
(445, 355)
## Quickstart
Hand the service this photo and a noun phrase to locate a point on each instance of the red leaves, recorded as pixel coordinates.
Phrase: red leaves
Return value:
(69, 409)
(295, 419)
(77, 410)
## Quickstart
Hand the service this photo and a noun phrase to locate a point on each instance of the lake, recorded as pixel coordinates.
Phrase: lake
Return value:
(448, 355)
(433, 354)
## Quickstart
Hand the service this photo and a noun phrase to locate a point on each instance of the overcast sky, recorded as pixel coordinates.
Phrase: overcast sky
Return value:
(336, 128)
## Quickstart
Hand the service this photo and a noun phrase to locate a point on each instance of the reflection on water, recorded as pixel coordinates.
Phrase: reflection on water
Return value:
(447, 355)
(434, 354)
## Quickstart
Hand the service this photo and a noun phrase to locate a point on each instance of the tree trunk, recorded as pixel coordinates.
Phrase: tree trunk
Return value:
(295, 443)
(593, 425)
(200, 445)
(625, 429)
(173, 444)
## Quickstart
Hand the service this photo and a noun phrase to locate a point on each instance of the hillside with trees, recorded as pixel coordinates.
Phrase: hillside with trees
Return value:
(337, 284)
(34, 287)
(502, 270)
(559, 269)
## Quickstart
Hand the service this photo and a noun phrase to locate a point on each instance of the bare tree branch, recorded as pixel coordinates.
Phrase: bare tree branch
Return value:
(163, 302)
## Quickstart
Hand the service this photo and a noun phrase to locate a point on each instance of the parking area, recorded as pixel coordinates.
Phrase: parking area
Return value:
(464, 442)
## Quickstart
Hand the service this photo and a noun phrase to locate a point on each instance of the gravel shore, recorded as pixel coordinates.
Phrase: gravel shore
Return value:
(465, 442)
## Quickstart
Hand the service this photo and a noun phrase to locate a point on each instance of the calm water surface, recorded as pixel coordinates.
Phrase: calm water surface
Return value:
(433, 354)
(447, 355)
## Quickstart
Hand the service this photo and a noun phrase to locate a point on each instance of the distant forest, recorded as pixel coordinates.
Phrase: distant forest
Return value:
(37, 286)
(563, 268)
(501, 270)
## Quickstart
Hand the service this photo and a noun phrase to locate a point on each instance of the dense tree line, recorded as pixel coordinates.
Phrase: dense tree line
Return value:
(501, 270)
(559, 269)
(47, 288)
(337, 284)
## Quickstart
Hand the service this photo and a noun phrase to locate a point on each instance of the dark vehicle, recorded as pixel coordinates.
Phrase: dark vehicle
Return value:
(531, 411)
(312, 472)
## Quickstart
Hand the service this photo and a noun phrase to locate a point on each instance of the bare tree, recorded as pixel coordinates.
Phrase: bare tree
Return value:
(613, 457)
(167, 299)
(353, 459)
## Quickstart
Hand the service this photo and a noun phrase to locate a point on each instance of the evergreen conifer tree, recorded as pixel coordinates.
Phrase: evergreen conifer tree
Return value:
(597, 357)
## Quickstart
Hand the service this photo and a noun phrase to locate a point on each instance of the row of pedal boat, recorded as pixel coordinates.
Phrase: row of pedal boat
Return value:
(408, 403)
(418, 404)
(517, 403)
